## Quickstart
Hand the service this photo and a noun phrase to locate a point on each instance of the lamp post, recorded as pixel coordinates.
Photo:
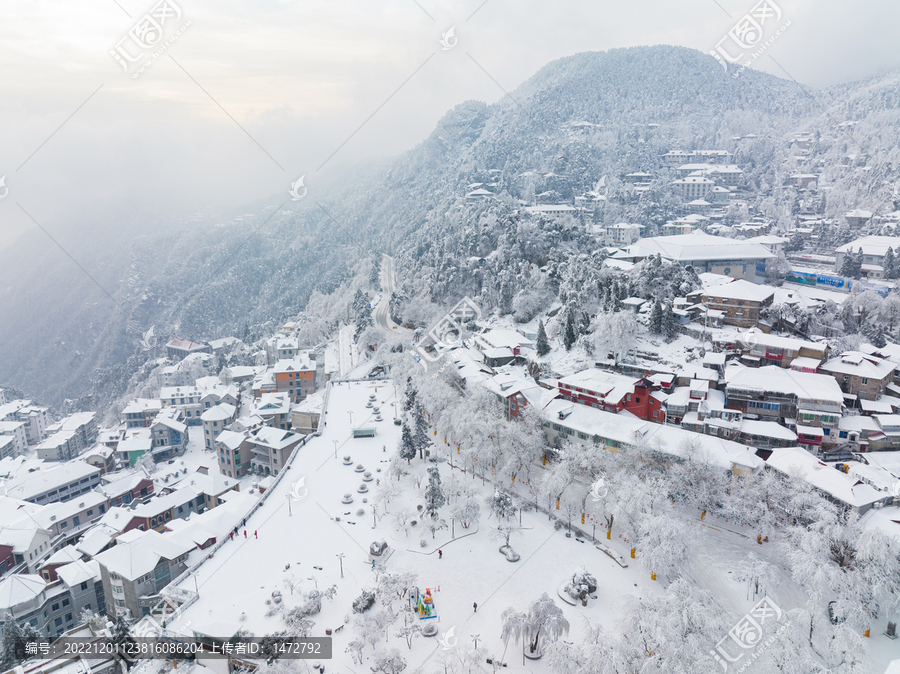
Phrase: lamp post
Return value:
(340, 557)
(351, 419)
(289, 505)
(335, 448)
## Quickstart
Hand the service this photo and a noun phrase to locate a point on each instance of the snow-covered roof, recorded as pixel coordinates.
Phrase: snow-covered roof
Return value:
(79, 572)
(48, 477)
(132, 559)
(870, 245)
(219, 413)
(19, 588)
(740, 290)
(859, 364)
(805, 385)
(698, 246)
(797, 462)
(670, 440)
(768, 429)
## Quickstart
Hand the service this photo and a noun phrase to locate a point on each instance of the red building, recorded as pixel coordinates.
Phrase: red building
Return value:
(613, 393)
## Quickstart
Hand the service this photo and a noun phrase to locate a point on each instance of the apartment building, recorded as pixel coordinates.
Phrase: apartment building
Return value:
(861, 375)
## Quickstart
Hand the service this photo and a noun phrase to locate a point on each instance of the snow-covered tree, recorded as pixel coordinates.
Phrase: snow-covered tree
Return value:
(390, 662)
(408, 447)
(656, 318)
(569, 335)
(542, 345)
(466, 511)
(544, 620)
(502, 505)
(434, 496)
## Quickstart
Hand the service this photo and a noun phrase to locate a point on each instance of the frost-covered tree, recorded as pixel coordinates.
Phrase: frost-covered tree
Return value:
(656, 318)
(502, 505)
(362, 314)
(434, 495)
(542, 344)
(569, 335)
(390, 662)
(466, 511)
(544, 620)
(420, 434)
(407, 444)
(669, 324)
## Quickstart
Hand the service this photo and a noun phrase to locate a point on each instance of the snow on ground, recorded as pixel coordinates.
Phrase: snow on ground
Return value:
(236, 582)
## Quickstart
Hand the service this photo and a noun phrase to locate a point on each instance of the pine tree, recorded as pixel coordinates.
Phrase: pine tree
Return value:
(543, 345)
(434, 496)
(569, 335)
(668, 324)
(420, 436)
(362, 314)
(407, 445)
(851, 267)
(375, 276)
(656, 318)
(411, 393)
(11, 636)
(890, 264)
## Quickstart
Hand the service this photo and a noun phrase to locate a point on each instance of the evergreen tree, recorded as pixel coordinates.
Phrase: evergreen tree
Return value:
(407, 445)
(851, 267)
(420, 437)
(375, 276)
(890, 264)
(668, 324)
(542, 345)
(569, 335)
(876, 337)
(656, 318)
(410, 402)
(362, 314)
(434, 496)
(12, 634)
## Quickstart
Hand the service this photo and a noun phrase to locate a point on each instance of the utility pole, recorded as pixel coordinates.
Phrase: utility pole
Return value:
(340, 557)
(335, 448)
(289, 505)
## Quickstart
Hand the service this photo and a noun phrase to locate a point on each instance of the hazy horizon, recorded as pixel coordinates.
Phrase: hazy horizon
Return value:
(253, 98)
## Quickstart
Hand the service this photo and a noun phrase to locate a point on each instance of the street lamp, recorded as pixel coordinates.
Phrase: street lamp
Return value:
(351, 419)
(335, 448)
(340, 557)
(289, 505)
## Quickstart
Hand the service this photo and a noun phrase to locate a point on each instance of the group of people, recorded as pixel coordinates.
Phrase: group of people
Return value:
(236, 531)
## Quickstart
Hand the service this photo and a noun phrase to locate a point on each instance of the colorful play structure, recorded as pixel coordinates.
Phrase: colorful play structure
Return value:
(425, 605)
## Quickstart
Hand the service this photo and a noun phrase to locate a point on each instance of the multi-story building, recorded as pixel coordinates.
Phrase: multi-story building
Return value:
(706, 253)
(54, 607)
(7, 447)
(515, 393)
(813, 403)
(67, 520)
(759, 348)
(168, 434)
(83, 426)
(136, 443)
(36, 419)
(123, 489)
(873, 249)
(275, 409)
(135, 570)
(271, 448)
(694, 187)
(233, 452)
(296, 377)
(55, 482)
(859, 374)
(613, 393)
(214, 421)
(140, 413)
(186, 399)
(739, 301)
(16, 431)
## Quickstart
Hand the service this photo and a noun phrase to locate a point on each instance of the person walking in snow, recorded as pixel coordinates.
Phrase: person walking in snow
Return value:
(254, 535)
(475, 607)
(231, 535)
(245, 533)
(373, 563)
(440, 554)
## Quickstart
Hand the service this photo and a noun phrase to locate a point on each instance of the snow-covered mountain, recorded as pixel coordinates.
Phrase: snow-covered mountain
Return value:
(577, 126)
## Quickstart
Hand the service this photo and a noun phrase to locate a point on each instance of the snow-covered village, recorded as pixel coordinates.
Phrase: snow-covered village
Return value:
(601, 376)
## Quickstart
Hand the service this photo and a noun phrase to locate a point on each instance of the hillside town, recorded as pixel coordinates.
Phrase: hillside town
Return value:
(113, 523)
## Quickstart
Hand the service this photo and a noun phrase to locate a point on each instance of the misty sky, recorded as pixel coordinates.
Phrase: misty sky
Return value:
(299, 78)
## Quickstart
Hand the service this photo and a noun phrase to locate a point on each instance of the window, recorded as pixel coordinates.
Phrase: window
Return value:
(63, 525)
(58, 622)
(842, 434)
(68, 617)
(84, 586)
(90, 512)
(76, 520)
(865, 380)
(65, 602)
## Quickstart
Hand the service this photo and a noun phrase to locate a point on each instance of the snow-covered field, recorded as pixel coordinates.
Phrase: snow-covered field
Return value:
(294, 539)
